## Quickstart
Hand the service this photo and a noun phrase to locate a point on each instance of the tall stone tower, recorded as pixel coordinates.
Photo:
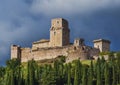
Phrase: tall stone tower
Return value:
(15, 51)
(59, 32)
(102, 44)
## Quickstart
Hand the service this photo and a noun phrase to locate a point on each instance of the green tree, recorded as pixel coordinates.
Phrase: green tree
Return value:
(113, 75)
(48, 76)
(91, 74)
(12, 71)
(84, 77)
(106, 74)
(69, 74)
(98, 72)
(77, 74)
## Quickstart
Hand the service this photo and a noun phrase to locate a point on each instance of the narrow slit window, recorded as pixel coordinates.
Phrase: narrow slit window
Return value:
(54, 33)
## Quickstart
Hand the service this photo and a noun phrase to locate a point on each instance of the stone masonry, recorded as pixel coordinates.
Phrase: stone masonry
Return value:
(59, 45)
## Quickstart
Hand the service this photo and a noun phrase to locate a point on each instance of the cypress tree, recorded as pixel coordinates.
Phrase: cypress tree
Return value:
(106, 74)
(76, 77)
(118, 67)
(69, 75)
(77, 73)
(114, 75)
(84, 77)
(48, 77)
(11, 78)
(99, 82)
(90, 76)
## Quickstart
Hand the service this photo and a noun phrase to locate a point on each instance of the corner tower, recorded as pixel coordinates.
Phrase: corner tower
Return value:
(15, 51)
(59, 32)
(102, 44)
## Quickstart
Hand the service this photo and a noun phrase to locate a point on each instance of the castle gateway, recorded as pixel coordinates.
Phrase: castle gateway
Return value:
(59, 44)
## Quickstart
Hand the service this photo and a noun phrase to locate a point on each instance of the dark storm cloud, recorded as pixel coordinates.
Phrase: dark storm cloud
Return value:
(18, 26)
(25, 21)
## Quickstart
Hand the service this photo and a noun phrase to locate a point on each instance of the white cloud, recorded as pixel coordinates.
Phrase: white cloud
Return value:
(55, 7)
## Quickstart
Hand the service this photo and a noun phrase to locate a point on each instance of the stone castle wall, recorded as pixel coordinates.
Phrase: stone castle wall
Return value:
(25, 54)
(71, 53)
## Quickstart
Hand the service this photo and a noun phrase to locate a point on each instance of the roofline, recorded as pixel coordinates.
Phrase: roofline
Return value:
(99, 40)
(60, 18)
(37, 42)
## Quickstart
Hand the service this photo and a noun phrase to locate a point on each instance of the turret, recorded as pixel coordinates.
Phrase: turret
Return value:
(15, 51)
(79, 42)
(102, 44)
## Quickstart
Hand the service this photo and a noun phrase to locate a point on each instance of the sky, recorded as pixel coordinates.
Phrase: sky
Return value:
(25, 21)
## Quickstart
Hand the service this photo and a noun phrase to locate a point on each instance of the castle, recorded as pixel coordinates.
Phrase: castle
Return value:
(59, 45)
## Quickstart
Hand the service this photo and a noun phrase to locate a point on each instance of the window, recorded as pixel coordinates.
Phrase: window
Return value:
(54, 33)
(76, 41)
(57, 22)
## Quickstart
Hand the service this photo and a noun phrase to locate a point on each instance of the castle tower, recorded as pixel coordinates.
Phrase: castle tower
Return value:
(102, 44)
(79, 42)
(59, 32)
(15, 51)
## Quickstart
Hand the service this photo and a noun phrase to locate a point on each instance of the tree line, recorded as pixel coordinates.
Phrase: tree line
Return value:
(99, 72)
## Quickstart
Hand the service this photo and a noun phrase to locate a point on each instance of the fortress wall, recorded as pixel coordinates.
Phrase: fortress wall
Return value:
(71, 52)
(94, 52)
(25, 54)
(76, 55)
(42, 54)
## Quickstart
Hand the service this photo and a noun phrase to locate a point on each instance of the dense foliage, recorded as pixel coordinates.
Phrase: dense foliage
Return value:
(101, 72)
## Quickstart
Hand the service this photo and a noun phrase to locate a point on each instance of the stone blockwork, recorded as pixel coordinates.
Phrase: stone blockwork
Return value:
(71, 52)
(15, 51)
(41, 44)
(102, 44)
(59, 45)
(59, 32)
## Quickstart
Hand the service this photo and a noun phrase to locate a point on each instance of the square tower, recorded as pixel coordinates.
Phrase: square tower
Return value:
(59, 32)
(102, 44)
(15, 51)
